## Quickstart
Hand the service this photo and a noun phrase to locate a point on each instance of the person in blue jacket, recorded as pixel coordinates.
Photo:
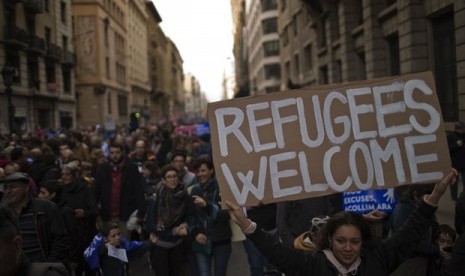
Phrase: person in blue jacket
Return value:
(109, 252)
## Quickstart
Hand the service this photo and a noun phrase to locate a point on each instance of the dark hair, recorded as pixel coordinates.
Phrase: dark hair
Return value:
(178, 153)
(166, 169)
(346, 218)
(152, 167)
(203, 159)
(408, 192)
(16, 154)
(446, 230)
(51, 186)
(107, 227)
(114, 143)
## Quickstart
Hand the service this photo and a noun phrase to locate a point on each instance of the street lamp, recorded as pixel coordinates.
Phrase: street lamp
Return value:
(8, 72)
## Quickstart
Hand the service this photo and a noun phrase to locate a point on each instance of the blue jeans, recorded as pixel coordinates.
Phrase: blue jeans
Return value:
(257, 262)
(220, 256)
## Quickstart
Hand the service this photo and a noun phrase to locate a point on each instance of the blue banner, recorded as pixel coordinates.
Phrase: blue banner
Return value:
(363, 202)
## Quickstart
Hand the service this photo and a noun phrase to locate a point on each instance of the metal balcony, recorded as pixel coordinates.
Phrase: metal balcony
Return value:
(36, 45)
(68, 58)
(33, 6)
(54, 52)
(15, 37)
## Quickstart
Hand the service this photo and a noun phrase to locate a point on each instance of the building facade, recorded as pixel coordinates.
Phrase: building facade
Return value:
(193, 97)
(100, 33)
(37, 48)
(241, 71)
(338, 41)
(263, 46)
(138, 74)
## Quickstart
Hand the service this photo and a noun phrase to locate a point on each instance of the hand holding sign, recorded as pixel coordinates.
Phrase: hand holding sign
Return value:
(441, 186)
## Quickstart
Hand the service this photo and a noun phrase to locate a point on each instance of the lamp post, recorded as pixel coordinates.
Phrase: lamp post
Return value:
(8, 72)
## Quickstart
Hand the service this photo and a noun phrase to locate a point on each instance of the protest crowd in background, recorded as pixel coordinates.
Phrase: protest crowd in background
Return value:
(89, 201)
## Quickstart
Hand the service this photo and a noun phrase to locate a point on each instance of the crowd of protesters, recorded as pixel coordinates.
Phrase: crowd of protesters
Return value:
(86, 202)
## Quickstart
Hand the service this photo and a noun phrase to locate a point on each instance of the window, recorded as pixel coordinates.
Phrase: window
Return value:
(66, 80)
(445, 65)
(272, 71)
(33, 72)
(322, 32)
(394, 55)
(268, 5)
(109, 102)
(271, 48)
(46, 5)
(122, 105)
(324, 75)
(12, 59)
(295, 25)
(283, 4)
(337, 71)
(361, 66)
(50, 72)
(105, 24)
(107, 67)
(297, 65)
(48, 36)
(270, 25)
(308, 62)
(285, 36)
(288, 70)
(65, 42)
(63, 11)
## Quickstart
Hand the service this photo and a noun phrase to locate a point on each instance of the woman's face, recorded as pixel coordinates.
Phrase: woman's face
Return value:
(66, 177)
(346, 244)
(171, 179)
(204, 174)
(146, 173)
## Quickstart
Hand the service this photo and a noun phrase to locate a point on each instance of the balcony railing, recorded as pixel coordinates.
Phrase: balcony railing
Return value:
(33, 6)
(68, 58)
(54, 52)
(36, 44)
(15, 36)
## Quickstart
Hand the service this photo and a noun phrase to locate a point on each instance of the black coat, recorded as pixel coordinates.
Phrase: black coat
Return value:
(51, 230)
(457, 153)
(380, 260)
(132, 191)
(78, 196)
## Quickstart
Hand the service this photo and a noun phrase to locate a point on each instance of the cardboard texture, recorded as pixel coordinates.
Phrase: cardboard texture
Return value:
(304, 143)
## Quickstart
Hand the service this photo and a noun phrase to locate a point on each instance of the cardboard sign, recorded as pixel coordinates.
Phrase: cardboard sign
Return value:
(373, 134)
(363, 202)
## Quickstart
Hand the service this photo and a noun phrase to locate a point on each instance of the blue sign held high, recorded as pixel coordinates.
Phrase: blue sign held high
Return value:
(363, 202)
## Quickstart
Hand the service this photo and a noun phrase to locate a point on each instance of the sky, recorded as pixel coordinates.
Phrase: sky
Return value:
(203, 33)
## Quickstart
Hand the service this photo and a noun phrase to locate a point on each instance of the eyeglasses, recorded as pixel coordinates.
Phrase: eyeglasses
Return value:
(171, 176)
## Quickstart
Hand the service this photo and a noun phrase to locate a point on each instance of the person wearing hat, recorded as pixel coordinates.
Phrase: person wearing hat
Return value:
(42, 228)
(455, 142)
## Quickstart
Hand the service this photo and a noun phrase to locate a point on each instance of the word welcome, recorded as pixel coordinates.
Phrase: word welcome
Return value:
(359, 138)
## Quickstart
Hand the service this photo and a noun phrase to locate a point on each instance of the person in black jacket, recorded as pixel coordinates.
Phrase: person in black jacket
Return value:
(166, 219)
(43, 231)
(349, 250)
(79, 210)
(119, 189)
(209, 226)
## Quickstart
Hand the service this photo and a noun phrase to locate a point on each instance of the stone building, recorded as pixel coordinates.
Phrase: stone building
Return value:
(192, 98)
(263, 46)
(37, 50)
(138, 73)
(241, 71)
(338, 41)
(102, 87)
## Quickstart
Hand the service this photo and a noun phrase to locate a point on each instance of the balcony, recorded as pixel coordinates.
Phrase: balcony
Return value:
(36, 45)
(68, 59)
(54, 52)
(15, 37)
(33, 6)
